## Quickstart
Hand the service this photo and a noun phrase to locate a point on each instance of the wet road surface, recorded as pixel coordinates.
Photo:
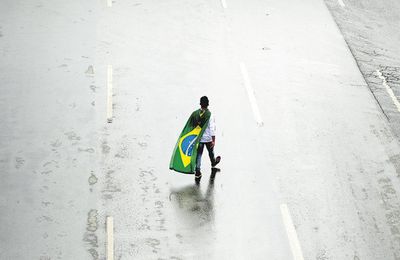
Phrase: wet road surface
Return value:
(297, 128)
(372, 32)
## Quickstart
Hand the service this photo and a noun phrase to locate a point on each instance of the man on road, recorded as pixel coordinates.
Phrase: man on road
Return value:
(207, 140)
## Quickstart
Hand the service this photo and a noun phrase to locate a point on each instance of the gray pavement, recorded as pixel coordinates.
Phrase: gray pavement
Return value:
(325, 150)
(372, 32)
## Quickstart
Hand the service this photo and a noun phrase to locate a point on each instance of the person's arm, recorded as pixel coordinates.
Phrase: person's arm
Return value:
(213, 130)
(213, 141)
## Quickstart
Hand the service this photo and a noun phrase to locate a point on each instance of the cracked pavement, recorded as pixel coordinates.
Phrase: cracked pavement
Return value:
(372, 32)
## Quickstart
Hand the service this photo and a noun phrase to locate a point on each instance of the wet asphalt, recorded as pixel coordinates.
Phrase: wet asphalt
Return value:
(325, 148)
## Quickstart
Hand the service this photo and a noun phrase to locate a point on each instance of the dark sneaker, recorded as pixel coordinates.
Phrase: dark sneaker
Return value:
(217, 160)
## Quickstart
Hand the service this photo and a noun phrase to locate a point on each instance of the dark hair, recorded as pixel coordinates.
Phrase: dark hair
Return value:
(204, 101)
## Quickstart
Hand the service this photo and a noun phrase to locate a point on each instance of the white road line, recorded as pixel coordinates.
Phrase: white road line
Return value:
(109, 94)
(223, 2)
(109, 3)
(389, 90)
(341, 3)
(110, 238)
(291, 233)
(250, 93)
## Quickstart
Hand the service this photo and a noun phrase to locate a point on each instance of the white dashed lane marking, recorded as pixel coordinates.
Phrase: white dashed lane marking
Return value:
(110, 238)
(223, 2)
(389, 90)
(291, 233)
(250, 93)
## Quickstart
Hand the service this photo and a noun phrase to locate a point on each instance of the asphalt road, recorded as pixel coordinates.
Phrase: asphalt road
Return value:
(372, 32)
(310, 164)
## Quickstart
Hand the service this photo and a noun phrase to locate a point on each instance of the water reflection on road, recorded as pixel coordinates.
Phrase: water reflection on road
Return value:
(195, 207)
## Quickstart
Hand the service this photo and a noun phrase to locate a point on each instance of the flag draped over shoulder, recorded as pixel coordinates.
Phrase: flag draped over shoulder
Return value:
(185, 153)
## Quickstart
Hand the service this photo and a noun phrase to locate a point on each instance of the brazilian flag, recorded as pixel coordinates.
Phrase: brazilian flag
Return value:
(185, 153)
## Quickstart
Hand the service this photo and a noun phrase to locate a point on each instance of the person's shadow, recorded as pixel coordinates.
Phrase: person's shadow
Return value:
(196, 207)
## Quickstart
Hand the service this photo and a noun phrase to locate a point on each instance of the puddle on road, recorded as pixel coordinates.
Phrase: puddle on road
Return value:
(92, 222)
(93, 88)
(90, 236)
(19, 162)
(88, 150)
(90, 71)
(154, 244)
(194, 206)
(105, 148)
(111, 186)
(72, 136)
(92, 179)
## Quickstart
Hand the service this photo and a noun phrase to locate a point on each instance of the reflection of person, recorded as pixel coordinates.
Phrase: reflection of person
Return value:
(197, 207)
(207, 140)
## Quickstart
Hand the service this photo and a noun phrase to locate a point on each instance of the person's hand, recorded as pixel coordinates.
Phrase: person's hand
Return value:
(212, 144)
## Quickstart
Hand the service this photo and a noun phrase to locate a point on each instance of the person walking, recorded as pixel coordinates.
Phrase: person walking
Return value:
(207, 140)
